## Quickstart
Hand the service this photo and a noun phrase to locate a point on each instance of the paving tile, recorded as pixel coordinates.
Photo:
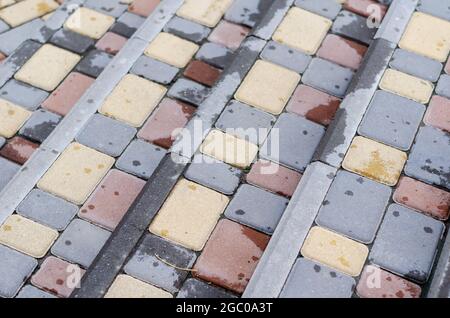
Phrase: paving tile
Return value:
(447, 67)
(428, 159)
(127, 24)
(94, 63)
(171, 49)
(12, 117)
(140, 97)
(57, 276)
(437, 8)
(268, 87)
(342, 51)
(416, 65)
(22, 94)
(18, 150)
(247, 12)
(15, 268)
(215, 54)
(438, 113)
(126, 286)
(2, 142)
(13, 39)
(140, 159)
(206, 12)
(443, 86)
(328, 77)
(202, 72)
(407, 86)
(366, 8)
(113, 8)
(143, 7)
(354, 27)
(27, 236)
(354, 207)
(47, 67)
(428, 36)
(243, 248)
(72, 41)
(313, 104)
(229, 34)
(285, 56)
(26, 10)
(406, 243)
(312, 280)
(298, 140)
(328, 9)
(111, 43)
(335, 251)
(68, 93)
(154, 70)
(188, 91)
(29, 291)
(40, 125)
(187, 29)
(375, 161)
(89, 22)
(194, 288)
(423, 197)
(150, 263)
(377, 283)
(7, 171)
(80, 242)
(3, 26)
(189, 215)
(111, 200)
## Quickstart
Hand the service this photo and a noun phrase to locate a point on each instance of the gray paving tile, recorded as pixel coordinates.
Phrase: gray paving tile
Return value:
(94, 63)
(443, 86)
(438, 8)
(354, 206)
(428, 160)
(286, 56)
(3, 26)
(2, 141)
(47, 209)
(106, 135)
(392, 120)
(326, 8)
(154, 70)
(22, 94)
(15, 268)
(113, 8)
(7, 171)
(247, 12)
(140, 159)
(189, 91)
(72, 41)
(30, 291)
(312, 280)
(40, 125)
(328, 77)
(215, 54)
(13, 39)
(80, 242)
(127, 24)
(298, 140)
(416, 65)
(187, 29)
(147, 266)
(194, 288)
(406, 243)
(353, 26)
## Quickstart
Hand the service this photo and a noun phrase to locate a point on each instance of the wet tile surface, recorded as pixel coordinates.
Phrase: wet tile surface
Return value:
(189, 91)
(202, 72)
(18, 150)
(111, 43)
(94, 63)
(353, 26)
(194, 288)
(40, 125)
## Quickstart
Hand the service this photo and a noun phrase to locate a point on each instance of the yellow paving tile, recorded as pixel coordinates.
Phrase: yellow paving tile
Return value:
(125, 286)
(189, 215)
(229, 149)
(12, 117)
(268, 86)
(334, 250)
(407, 86)
(76, 173)
(133, 100)
(302, 30)
(428, 36)
(171, 49)
(27, 236)
(47, 67)
(206, 12)
(27, 10)
(89, 22)
(375, 161)
(4, 3)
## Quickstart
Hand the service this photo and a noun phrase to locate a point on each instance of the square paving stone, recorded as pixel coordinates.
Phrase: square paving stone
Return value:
(27, 10)
(113, 8)
(133, 100)
(72, 41)
(143, 7)
(22, 94)
(40, 125)
(80, 242)
(154, 70)
(127, 24)
(206, 12)
(354, 206)
(202, 72)
(353, 26)
(392, 120)
(328, 77)
(443, 86)
(189, 215)
(12, 117)
(215, 54)
(106, 135)
(245, 122)
(125, 286)
(47, 209)
(111, 200)
(407, 86)
(428, 160)
(285, 56)
(111, 43)
(311, 280)
(150, 263)
(247, 12)
(141, 159)
(367, 7)
(214, 174)
(7, 171)
(256, 208)
(243, 248)
(326, 8)
(406, 243)
(89, 22)
(342, 51)
(189, 91)
(18, 150)
(294, 141)
(229, 34)
(194, 288)
(29, 291)
(438, 8)
(416, 65)
(47, 67)
(15, 268)
(187, 29)
(438, 113)
(94, 63)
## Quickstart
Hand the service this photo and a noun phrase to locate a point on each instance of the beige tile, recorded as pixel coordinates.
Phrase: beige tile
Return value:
(76, 173)
(47, 67)
(171, 49)
(125, 286)
(428, 36)
(335, 251)
(189, 215)
(206, 12)
(229, 149)
(27, 10)
(407, 86)
(12, 117)
(302, 30)
(133, 100)
(268, 86)
(89, 22)
(27, 236)
(4, 3)
(375, 161)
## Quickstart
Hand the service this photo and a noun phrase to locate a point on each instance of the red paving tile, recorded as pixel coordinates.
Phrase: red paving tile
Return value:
(438, 113)
(18, 149)
(111, 43)
(2, 57)
(229, 34)
(342, 51)
(361, 7)
(202, 72)
(143, 7)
